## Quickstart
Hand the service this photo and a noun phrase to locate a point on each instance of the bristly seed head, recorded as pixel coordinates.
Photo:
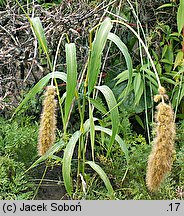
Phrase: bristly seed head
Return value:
(161, 157)
(161, 90)
(48, 121)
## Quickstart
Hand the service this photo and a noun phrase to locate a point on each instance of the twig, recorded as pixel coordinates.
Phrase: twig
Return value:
(94, 11)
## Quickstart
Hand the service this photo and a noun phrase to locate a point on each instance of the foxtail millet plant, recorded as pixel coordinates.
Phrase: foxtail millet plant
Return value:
(48, 121)
(161, 157)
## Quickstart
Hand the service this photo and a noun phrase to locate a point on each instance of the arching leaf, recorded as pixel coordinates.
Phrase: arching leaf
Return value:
(114, 113)
(96, 53)
(103, 176)
(67, 159)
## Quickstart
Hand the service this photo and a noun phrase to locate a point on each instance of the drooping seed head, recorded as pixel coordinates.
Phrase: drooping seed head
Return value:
(48, 121)
(161, 157)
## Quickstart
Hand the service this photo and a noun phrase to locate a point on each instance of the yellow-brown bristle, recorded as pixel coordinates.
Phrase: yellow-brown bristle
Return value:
(161, 157)
(48, 121)
(157, 98)
(161, 90)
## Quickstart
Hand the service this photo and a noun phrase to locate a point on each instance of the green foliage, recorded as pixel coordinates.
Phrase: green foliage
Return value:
(96, 53)
(121, 143)
(128, 59)
(39, 86)
(180, 16)
(79, 138)
(71, 76)
(38, 29)
(47, 5)
(18, 140)
(138, 85)
(104, 177)
(124, 167)
(179, 168)
(169, 62)
(2, 2)
(14, 183)
(130, 184)
(114, 112)
(49, 154)
(66, 168)
(180, 133)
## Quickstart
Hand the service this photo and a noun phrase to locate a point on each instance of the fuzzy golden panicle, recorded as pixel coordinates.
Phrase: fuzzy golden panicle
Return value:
(161, 157)
(48, 121)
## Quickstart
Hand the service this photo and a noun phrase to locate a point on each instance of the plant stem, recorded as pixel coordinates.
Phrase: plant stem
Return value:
(142, 63)
(126, 171)
(44, 173)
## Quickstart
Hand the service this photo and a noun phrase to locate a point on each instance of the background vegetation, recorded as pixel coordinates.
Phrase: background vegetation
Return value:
(106, 77)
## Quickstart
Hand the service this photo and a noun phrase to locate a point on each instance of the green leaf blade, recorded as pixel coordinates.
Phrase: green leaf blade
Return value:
(180, 16)
(39, 86)
(99, 106)
(67, 159)
(55, 148)
(165, 6)
(71, 76)
(138, 87)
(96, 53)
(103, 176)
(121, 143)
(122, 47)
(179, 59)
(92, 130)
(113, 109)
(39, 32)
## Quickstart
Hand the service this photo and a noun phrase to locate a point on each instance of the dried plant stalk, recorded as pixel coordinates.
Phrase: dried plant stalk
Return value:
(48, 121)
(161, 157)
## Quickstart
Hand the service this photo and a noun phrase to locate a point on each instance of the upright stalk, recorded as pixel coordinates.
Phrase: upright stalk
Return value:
(142, 63)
